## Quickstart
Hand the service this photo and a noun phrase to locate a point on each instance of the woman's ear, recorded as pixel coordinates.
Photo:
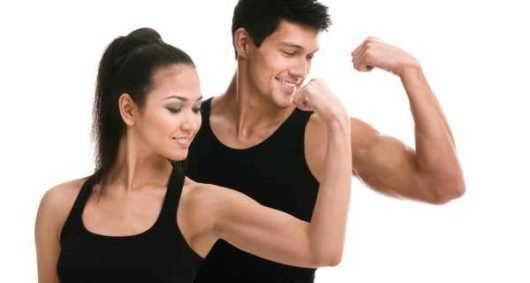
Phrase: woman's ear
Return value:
(128, 109)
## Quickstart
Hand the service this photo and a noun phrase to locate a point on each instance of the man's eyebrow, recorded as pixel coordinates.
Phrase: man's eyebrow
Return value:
(293, 45)
(288, 44)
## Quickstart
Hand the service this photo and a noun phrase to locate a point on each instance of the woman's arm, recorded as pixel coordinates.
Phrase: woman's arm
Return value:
(52, 213)
(276, 235)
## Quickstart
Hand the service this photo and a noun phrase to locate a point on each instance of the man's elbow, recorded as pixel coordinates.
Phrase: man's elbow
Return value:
(448, 191)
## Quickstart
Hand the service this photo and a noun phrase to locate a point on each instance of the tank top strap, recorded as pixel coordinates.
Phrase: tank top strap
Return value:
(73, 221)
(299, 119)
(206, 108)
(171, 201)
(295, 124)
(292, 132)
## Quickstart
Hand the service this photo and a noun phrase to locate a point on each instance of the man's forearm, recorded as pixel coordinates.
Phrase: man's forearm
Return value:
(435, 147)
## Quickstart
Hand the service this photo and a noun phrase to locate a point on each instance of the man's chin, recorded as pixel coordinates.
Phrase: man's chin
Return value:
(283, 100)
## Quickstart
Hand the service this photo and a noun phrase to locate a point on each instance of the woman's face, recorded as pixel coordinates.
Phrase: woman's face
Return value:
(170, 117)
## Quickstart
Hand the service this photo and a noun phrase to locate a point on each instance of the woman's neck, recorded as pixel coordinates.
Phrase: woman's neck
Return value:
(136, 167)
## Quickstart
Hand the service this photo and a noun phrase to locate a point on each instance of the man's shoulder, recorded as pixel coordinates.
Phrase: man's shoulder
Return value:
(360, 130)
(363, 135)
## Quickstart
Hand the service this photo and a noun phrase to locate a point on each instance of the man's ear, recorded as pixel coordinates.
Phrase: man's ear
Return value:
(242, 42)
(128, 109)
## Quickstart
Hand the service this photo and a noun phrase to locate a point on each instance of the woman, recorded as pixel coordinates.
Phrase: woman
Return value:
(138, 218)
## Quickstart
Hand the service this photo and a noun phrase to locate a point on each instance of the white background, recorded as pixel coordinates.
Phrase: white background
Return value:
(475, 55)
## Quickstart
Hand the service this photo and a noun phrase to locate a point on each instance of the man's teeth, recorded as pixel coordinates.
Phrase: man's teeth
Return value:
(182, 140)
(287, 82)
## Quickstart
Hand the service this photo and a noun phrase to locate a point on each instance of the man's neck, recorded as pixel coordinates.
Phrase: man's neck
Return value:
(247, 110)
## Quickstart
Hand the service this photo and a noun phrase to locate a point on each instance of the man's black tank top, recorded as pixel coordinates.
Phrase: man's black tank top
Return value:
(159, 254)
(275, 174)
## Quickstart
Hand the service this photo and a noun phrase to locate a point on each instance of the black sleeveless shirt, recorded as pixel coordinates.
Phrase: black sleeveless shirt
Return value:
(159, 254)
(275, 174)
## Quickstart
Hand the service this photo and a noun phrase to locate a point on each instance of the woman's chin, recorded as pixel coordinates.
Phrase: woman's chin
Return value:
(178, 156)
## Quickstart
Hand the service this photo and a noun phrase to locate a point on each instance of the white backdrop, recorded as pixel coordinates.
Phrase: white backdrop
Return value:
(475, 55)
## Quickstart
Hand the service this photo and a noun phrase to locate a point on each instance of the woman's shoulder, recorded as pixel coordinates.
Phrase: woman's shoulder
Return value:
(213, 197)
(208, 193)
(64, 193)
(198, 193)
(203, 200)
(57, 202)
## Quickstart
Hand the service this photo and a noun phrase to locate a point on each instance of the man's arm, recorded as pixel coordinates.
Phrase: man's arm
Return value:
(430, 173)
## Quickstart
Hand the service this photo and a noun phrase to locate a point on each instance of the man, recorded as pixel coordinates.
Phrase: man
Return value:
(253, 139)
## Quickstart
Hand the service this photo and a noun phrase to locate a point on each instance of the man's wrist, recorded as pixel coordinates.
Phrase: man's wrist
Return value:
(409, 68)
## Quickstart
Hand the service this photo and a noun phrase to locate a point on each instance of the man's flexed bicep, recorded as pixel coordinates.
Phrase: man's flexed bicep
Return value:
(383, 163)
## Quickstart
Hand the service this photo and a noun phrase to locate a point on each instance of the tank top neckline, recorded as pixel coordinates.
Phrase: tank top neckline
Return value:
(206, 119)
(175, 182)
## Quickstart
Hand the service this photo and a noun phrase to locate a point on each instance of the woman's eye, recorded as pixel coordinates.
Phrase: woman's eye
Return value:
(289, 53)
(196, 109)
(173, 110)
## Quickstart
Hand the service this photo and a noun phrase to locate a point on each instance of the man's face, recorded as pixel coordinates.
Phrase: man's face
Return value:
(279, 66)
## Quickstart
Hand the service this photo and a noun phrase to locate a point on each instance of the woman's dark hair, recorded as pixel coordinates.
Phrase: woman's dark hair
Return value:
(127, 66)
(261, 17)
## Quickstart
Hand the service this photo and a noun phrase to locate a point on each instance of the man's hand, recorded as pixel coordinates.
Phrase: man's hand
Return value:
(317, 96)
(375, 53)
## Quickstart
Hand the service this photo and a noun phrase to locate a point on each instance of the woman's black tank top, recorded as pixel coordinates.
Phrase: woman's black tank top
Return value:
(159, 254)
(275, 174)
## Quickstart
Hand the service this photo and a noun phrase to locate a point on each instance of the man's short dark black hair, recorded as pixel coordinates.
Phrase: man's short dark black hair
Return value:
(261, 17)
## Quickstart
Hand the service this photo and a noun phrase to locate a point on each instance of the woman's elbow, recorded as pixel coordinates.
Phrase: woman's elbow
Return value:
(329, 258)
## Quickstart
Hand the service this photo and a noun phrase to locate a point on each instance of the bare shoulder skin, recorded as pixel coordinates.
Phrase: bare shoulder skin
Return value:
(51, 216)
